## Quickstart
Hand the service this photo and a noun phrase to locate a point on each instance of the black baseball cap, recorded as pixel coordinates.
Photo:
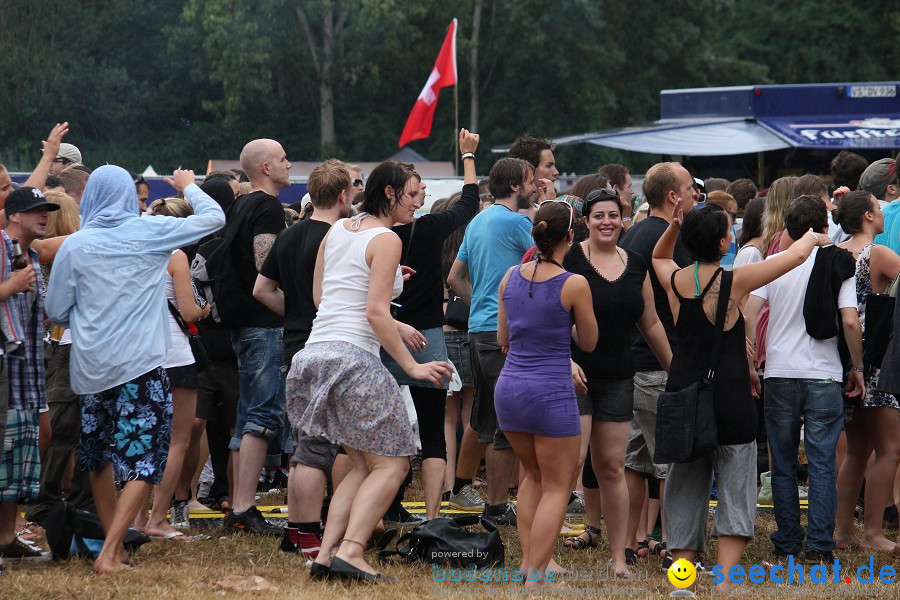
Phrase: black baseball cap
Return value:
(26, 198)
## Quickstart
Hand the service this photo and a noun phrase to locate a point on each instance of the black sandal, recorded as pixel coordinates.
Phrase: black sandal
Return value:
(578, 542)
(630, 556)
(659, 549)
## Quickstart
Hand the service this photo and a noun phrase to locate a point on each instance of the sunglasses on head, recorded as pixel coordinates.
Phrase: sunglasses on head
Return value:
(602, 194)
(569, 206)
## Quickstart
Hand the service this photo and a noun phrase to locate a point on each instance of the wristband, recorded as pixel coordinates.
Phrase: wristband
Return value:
(468, 155)
(857, 369)
(626, 219)
(815, 235)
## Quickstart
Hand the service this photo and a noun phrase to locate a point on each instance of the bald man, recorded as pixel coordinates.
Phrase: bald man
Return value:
(257, 333)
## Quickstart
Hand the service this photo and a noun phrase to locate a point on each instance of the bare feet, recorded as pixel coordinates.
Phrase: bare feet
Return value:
(880, 544)
(162, 530)
(621, 568)
(102, 566)
(846, 541)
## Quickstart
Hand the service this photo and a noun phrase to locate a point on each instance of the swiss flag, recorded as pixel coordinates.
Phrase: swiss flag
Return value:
(418, 125)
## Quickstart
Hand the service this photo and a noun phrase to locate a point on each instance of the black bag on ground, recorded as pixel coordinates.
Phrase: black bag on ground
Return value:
(443, 541)
(75, 532)
(686, 420)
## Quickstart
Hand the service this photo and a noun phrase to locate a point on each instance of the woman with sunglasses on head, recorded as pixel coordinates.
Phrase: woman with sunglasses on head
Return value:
(622, 298)
(535, 398)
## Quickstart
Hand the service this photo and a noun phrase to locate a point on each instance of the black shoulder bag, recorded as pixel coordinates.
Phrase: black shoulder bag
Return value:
(201, 358)
(686, 420)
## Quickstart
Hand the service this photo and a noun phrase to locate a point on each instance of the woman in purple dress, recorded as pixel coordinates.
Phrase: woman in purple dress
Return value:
(535, 396)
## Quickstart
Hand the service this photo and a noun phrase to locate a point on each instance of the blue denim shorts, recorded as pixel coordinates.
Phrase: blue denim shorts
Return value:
(261, 407)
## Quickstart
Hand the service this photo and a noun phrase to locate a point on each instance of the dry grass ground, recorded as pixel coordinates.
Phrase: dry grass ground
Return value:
(191, 571)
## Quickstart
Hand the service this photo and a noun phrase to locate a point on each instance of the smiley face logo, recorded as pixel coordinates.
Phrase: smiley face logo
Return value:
(682, 573)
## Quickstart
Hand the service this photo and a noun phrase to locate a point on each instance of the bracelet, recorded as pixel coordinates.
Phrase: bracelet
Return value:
(468, 155)
(815, 235)
(857, 369)
(626, 219)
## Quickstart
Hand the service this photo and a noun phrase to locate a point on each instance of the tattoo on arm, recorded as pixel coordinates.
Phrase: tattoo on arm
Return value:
(262, 243)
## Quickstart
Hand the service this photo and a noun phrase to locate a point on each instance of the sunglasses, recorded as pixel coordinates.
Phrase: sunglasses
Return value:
(357, 182)
(569, 206)
(602, 194)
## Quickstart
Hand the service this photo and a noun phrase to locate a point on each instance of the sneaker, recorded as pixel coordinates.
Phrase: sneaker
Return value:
(179, 515)
(703, 565)
(467, 500)
(576, 506)
(667, 562)
(765, 489)
(814, 557)
(250, 521)
(19, 550)
(402, 517)
(505, 514)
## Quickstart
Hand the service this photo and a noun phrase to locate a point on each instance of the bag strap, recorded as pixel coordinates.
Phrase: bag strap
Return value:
(178, 318)
(721, 312)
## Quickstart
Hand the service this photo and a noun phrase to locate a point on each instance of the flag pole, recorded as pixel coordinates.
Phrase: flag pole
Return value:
(456, 128)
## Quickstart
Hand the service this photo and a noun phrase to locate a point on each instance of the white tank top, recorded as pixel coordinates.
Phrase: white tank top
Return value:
(180, 353)
(345, 288)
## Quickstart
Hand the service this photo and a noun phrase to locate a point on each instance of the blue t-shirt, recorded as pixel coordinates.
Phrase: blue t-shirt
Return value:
(891, 235)
(495, 240)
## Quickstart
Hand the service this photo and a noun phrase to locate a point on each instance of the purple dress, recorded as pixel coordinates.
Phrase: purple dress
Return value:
(535, 393)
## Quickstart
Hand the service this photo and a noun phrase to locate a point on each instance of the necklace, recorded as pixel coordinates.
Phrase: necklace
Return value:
(592, 262)
(533, 273)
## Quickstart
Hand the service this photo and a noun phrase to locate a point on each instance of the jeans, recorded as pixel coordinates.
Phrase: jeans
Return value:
(818, 405)
(261, 407)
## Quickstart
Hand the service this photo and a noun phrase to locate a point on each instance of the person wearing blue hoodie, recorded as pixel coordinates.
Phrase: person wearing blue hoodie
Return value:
(107, 288)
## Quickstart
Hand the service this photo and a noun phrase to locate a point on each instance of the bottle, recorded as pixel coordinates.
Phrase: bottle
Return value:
(19, 261)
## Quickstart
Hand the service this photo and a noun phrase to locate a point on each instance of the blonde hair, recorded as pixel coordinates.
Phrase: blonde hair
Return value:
(244, 187)
(170, 207)
(67, 219)
(779, 197)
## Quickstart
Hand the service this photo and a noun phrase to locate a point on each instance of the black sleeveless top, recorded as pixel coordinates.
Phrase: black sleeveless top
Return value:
(735, 408)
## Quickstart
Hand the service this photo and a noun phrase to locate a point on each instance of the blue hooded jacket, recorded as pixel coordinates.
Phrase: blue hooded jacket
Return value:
(107, 281)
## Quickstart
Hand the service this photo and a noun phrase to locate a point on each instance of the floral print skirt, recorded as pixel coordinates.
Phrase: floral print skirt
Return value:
(342, 393)
(129, 424)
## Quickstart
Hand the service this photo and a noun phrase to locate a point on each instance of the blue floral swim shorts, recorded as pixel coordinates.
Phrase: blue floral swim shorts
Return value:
(129, 424)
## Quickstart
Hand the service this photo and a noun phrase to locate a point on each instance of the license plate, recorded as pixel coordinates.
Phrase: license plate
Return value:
(873, 91)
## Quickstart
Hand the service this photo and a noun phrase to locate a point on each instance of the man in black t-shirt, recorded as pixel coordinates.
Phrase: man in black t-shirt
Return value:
(663, 184)
(258, 337)
(285, 285)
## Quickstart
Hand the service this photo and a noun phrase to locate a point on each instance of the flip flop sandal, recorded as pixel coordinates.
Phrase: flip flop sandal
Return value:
(172, 535)
(589, 538)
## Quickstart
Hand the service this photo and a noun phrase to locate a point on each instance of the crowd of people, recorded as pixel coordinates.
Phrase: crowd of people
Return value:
(509, 324)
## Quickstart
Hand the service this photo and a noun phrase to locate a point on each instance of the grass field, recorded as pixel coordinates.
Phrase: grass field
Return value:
(192, 570)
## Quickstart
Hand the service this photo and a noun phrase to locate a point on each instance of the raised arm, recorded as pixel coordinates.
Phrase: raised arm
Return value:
(38, 178)
(176, 232)
(752, 277)
(663, 252)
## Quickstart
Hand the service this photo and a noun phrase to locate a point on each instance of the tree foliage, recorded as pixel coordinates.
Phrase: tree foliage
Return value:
(176, 82)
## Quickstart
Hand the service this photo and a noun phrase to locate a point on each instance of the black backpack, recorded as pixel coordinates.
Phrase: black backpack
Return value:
(443, 541)
(217, 277)
(75, 532)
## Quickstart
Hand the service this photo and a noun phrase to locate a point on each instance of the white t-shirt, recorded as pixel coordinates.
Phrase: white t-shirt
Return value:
(790, 351)
(747, 255)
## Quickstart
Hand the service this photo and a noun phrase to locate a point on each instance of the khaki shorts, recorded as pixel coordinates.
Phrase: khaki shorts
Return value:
(642, 437)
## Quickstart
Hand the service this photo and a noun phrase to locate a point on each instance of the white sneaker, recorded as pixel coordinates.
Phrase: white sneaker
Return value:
(467, 500)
